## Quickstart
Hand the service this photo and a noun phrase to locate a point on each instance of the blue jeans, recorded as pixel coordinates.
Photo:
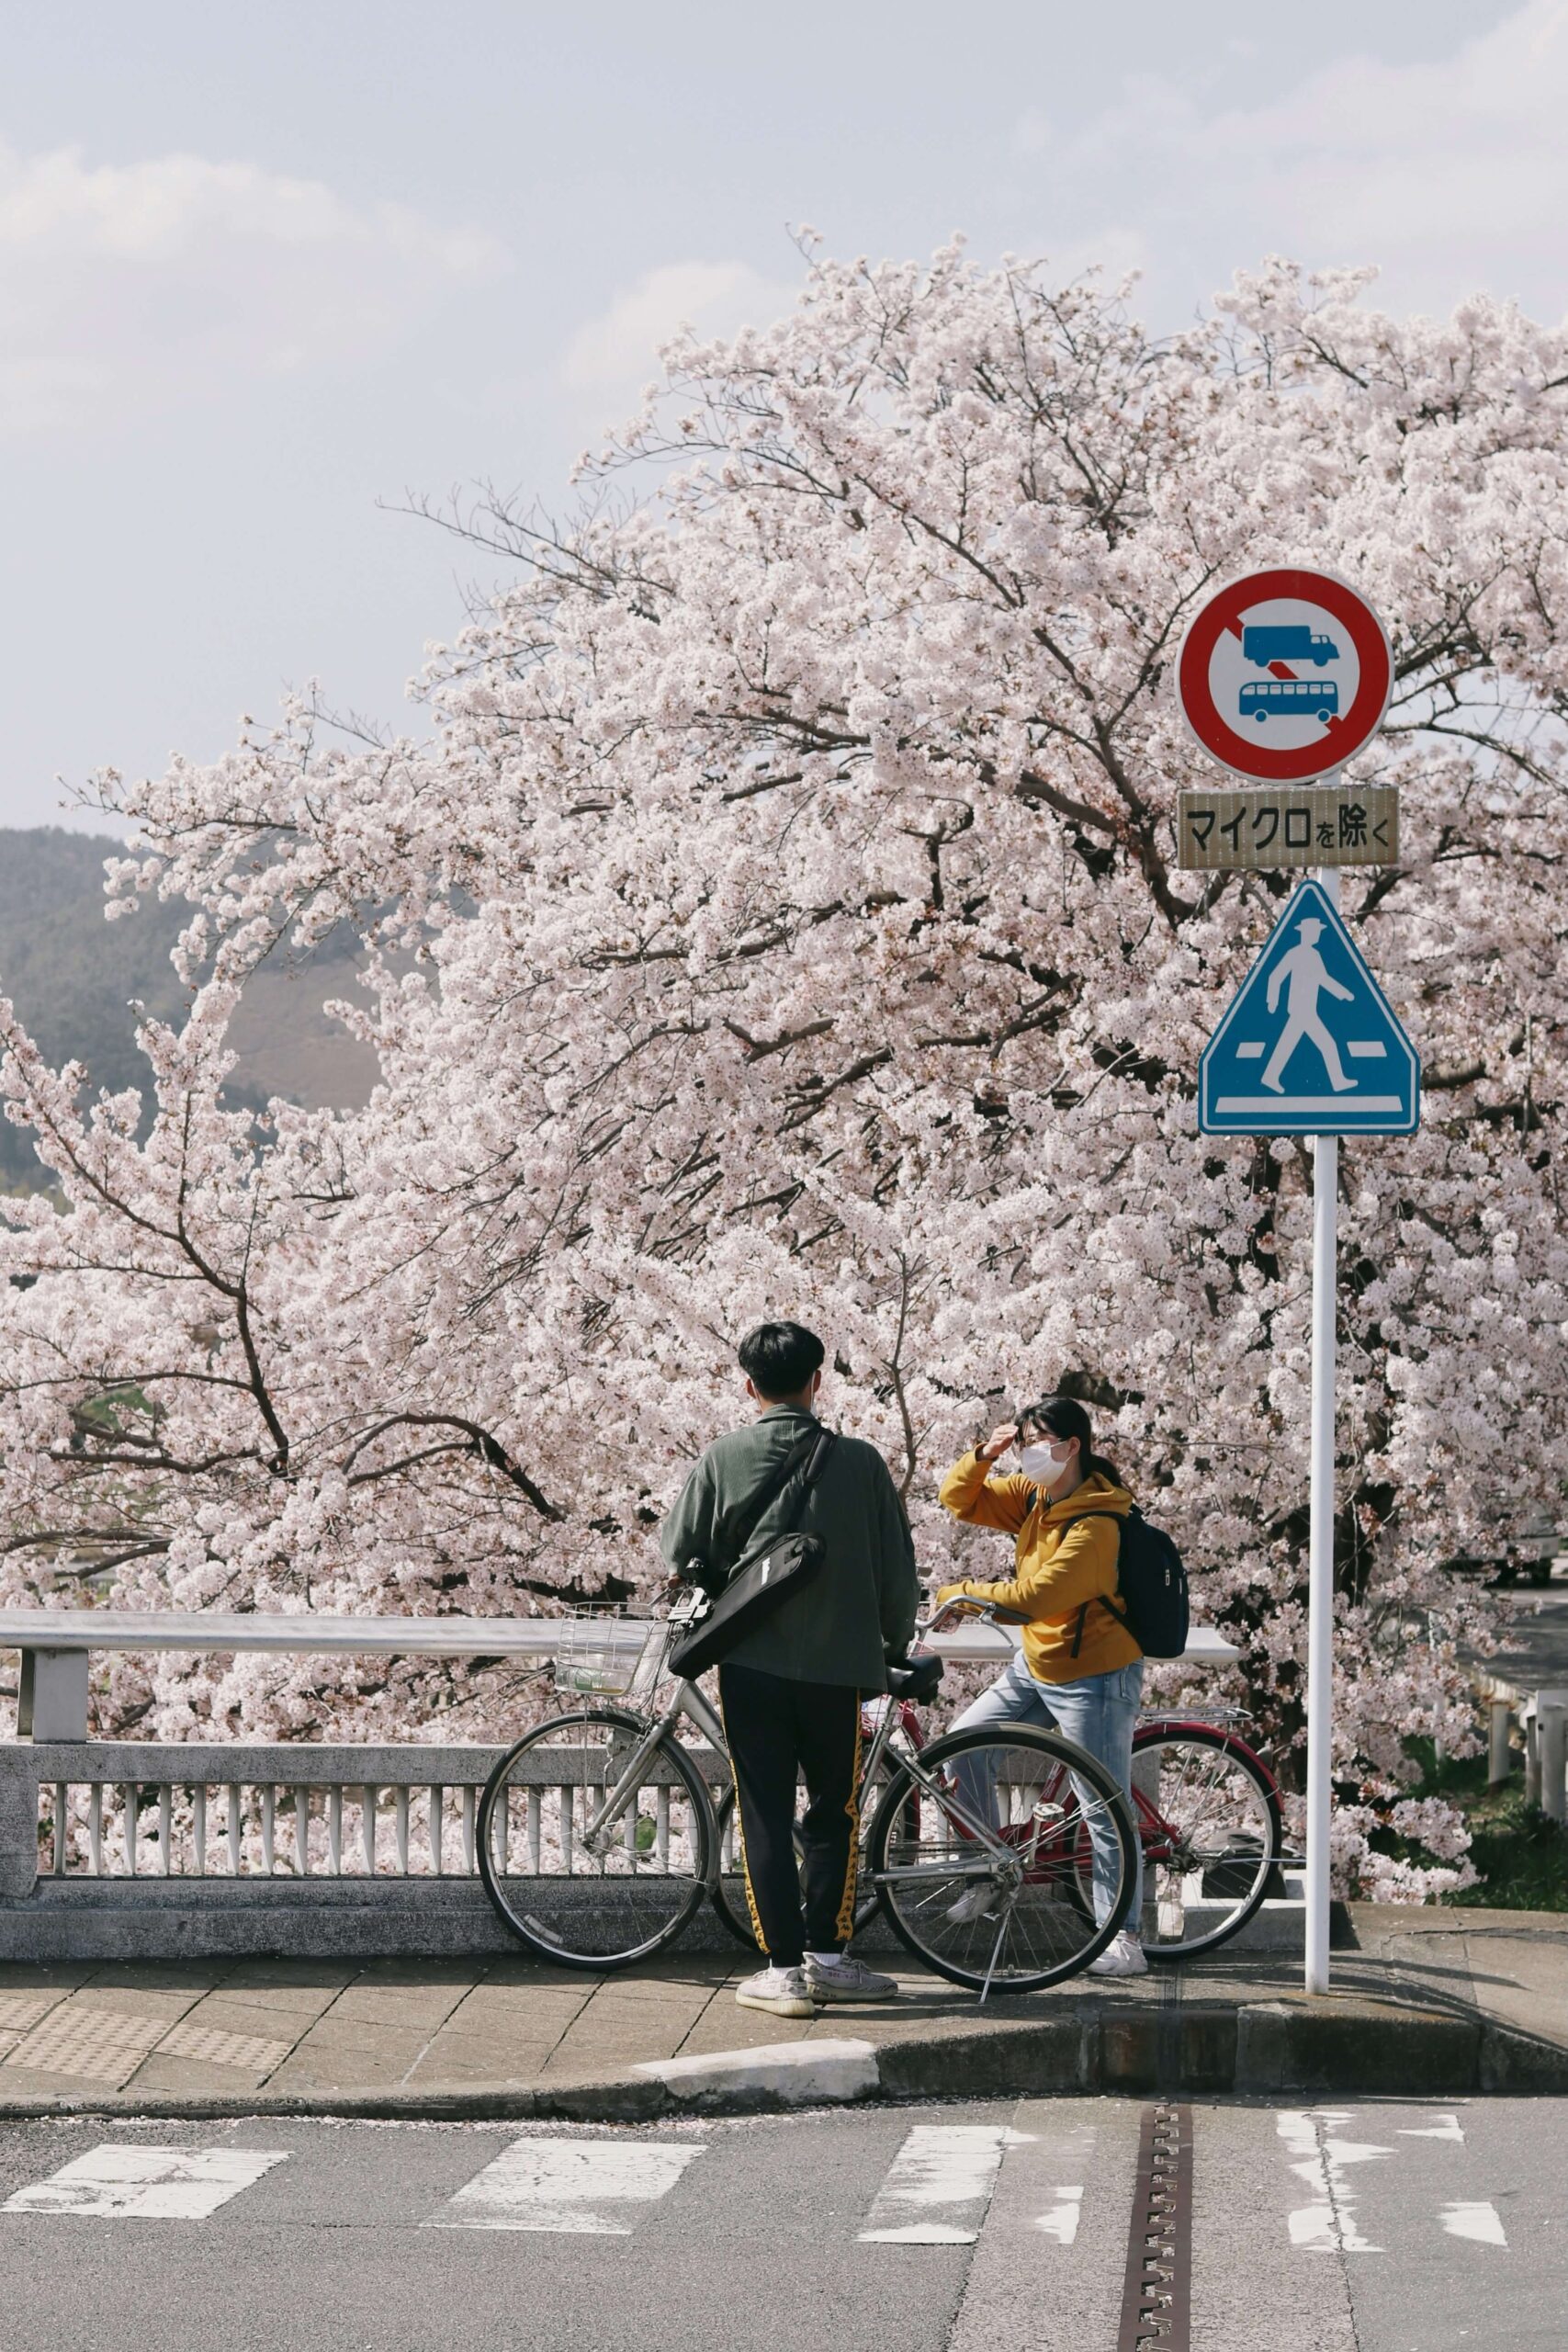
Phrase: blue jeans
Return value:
(1097, 1714)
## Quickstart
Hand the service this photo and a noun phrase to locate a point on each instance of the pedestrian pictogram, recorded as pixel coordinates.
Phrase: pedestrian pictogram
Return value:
(1309, 1044)
(1284, 675)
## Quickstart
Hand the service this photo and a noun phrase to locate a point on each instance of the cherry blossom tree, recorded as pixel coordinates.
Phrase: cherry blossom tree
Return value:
(779, 914)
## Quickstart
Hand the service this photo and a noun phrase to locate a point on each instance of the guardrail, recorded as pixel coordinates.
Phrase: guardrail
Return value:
(1542, 1717)
(57, 1645)
(1545, 1724)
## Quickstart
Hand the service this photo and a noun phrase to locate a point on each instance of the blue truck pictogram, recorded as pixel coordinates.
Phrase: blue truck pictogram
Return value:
(1287, 641)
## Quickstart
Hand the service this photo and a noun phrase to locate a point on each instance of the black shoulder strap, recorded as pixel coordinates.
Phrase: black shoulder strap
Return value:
(1103, 1598)
(826, 1440)
(736, 1532)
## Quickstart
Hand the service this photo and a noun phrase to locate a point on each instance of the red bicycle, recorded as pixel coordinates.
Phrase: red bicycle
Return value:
(1205, 1806)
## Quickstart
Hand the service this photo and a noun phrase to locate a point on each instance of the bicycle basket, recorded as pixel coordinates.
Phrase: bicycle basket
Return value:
(604, 1654)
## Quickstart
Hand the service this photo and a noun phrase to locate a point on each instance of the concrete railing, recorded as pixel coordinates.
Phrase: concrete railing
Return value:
(57, 1645)
(1545, 1724)
(124, 1849)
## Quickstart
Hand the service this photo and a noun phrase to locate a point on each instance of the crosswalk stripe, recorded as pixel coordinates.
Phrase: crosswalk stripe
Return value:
(147, 2184)
(1481, 2222)
(585, 2187)
(938, 2186)
(1328, 2224)
(1061, 2221)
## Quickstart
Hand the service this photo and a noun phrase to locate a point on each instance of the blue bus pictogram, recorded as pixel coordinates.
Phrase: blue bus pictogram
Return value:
(1288, 697)
(1264, 642)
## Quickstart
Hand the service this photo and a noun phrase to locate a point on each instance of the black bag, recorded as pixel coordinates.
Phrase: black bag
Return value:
(760, 1582)
(1151, 1584)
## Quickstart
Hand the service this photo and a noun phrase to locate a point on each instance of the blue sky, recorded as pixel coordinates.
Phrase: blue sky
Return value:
(265, 271)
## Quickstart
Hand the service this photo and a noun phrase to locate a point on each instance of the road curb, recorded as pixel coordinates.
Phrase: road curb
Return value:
(1336, 2047)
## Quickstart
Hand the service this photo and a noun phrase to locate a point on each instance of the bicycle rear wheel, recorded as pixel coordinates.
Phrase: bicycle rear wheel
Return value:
(1209, 1819)
(973, 1856)
(574, 1887)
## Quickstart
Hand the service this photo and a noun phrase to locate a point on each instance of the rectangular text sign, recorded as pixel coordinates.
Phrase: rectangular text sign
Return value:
(1321, 824)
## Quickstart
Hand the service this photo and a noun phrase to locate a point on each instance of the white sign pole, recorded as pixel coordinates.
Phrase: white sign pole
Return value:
(1320, 1598)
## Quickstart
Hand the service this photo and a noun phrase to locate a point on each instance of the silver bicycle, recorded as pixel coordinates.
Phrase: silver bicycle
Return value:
(599, 1838)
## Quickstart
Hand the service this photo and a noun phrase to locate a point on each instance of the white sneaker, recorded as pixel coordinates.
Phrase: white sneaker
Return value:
(783, 1990)
(1123, 1956)
(849, 1980)
(973, 1903)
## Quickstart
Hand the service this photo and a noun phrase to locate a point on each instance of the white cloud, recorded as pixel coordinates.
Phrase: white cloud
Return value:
(124, 286)
(1452, 174)
(616, 351)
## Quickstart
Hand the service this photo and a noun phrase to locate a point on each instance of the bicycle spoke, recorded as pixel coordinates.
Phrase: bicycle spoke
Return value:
(974, 1857)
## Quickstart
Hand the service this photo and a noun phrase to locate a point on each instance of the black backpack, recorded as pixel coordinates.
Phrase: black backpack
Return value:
(1152, 1600)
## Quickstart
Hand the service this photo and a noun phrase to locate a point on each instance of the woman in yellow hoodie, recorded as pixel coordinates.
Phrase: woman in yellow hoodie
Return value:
(1078, 1668)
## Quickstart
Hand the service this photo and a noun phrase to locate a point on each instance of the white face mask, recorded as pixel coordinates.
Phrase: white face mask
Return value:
(1044, 1464)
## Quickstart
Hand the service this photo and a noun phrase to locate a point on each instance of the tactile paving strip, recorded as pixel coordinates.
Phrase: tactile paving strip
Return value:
(20, 2010)
(215, 2048)
(100, 2045)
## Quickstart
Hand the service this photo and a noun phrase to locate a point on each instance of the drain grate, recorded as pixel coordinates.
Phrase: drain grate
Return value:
(1157, 2300)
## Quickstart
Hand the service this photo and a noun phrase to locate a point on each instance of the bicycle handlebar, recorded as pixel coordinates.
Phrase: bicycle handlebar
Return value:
(964, 1604)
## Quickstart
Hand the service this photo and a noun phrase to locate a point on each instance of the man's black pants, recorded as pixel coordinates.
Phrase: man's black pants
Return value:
(779, 1731)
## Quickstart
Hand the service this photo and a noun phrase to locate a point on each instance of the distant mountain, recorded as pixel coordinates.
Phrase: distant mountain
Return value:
(71, 977)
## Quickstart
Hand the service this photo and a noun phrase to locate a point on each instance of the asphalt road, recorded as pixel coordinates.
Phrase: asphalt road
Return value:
(984, 2228)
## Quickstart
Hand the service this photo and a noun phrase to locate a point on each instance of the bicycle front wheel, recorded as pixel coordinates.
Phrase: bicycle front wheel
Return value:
(588, 1867)
(974, 1857)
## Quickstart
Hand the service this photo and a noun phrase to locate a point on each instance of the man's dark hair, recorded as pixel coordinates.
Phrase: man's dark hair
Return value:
(778, 1358)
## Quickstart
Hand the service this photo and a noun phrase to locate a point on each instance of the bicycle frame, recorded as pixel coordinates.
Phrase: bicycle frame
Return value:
(1155, 1836)
(687, 1701)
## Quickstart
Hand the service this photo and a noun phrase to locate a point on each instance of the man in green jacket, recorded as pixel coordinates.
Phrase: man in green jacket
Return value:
(790, 1689)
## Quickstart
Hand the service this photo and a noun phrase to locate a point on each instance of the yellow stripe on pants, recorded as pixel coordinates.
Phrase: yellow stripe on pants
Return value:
(845, 1922)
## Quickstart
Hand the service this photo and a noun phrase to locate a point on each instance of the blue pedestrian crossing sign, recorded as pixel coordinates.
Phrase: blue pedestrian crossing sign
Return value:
(1309, 1044)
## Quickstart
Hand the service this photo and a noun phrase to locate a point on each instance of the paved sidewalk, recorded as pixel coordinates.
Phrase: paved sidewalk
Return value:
(1427, 2000)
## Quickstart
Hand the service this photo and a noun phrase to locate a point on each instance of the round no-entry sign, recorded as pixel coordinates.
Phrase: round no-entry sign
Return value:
(1284, 675)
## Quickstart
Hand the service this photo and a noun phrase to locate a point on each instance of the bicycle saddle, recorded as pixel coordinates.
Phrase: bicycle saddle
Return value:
(915, 1678)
